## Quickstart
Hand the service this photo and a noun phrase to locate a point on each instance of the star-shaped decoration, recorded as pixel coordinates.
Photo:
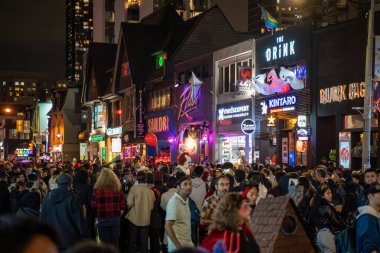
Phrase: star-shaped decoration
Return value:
(271, 121)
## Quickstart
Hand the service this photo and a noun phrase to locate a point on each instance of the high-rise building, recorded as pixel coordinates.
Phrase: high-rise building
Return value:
(109, 14)
(24, 88)
(78, 38)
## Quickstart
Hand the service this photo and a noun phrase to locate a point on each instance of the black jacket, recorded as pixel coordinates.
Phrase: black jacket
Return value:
(63, 209)
(329, 218)
(5, 199)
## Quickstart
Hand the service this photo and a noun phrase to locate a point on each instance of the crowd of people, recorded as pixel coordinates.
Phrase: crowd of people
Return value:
(136, 207)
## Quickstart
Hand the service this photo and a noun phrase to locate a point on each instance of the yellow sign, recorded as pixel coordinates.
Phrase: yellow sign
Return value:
(342, 92)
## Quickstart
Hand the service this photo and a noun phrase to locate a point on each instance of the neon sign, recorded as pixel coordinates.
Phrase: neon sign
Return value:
(23, 152)
(190, 97)
(281, 50)
(341, 93)
(279, 104)
(158, 125)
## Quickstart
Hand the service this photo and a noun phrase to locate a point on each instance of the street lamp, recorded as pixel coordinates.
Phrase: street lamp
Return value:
(7, 110)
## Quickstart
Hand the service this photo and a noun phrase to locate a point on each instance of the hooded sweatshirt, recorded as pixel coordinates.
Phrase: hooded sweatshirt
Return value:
(63, 209)
(198, 192)
(368, 230)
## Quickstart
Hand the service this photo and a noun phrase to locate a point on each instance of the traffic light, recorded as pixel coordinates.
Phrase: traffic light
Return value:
(118, 112)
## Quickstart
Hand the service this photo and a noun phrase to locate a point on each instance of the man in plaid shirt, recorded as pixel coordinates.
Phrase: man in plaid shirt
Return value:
(222, 187)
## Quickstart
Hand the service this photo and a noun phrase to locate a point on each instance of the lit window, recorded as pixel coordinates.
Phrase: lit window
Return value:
(17, 88)
(4, 83)
(17, 94)
(22, 83)
(16, 83)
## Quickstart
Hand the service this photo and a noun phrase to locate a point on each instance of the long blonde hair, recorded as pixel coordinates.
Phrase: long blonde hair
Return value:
(108, 180)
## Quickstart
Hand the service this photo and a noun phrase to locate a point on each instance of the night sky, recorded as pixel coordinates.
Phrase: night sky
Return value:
(32, 36)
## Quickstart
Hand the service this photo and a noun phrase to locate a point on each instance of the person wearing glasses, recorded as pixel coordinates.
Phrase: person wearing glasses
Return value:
(368, 221)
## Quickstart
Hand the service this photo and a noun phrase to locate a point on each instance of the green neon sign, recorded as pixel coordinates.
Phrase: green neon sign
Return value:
(104, 153)
(97, 138)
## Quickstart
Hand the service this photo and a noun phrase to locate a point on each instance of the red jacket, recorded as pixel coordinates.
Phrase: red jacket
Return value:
(216, 235)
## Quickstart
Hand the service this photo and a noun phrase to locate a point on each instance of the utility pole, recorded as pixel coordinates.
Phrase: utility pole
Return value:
(366, 155)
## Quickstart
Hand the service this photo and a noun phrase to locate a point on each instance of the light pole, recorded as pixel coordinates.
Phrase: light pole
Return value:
(366, 151)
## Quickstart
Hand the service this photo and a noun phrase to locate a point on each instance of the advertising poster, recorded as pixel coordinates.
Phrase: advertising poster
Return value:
(344, 154)
(83, 151)
(344, 149)
(285, 150)
(376, 70)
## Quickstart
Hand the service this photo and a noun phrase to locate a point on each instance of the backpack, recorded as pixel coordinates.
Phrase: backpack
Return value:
(345, 240)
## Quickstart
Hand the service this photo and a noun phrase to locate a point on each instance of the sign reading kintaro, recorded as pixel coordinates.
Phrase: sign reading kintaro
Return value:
(278, 104)
(341, 93)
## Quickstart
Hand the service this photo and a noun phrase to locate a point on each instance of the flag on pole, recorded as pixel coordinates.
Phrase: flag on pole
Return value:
(269, 20)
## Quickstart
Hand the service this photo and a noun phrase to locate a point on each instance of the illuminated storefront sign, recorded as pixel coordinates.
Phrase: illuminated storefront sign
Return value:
(190, 97)
(233, 113)
(96, 138)
(301, 121)
(99, 116)
(116, 145)
(341, 93)
(248, 126)
(279, 104)
(23, 152)
(114, 131)
(281, 49)
(159, 124)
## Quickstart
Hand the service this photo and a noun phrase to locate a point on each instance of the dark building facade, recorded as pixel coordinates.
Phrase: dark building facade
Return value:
(79, 25)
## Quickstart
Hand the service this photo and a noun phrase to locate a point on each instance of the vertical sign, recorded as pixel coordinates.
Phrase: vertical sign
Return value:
(285, 150)
(83, 151)
(245, 76)
(344, 149)
(376, 71)
(140, 127)
(104, 153)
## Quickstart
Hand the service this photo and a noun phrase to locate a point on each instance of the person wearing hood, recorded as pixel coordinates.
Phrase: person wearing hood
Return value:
(368, 222)
(199, 191)
(63, 209)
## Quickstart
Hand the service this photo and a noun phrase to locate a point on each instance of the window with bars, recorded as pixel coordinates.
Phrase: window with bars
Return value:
(228, 74)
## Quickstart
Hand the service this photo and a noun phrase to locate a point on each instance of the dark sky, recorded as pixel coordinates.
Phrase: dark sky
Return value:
(32, 36)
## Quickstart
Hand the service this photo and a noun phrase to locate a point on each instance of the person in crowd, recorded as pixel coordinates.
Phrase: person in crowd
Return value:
(232, 215)
(172, 185)
(5, 196)
(253, 195)
(63, 209)
(178, 216)
(239, 181)
(222, 186)
(155, 216)
(368, 221)
(199, 187)
(108, 203)
(140, 204)
(30, 201)
(92, 247)
(27, 235)
(328, 222)
(53, 179)
(378, 175)
(370, 177)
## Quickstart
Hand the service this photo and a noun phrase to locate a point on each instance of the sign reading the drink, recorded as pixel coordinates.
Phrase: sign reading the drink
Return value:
(279, 104)
(281, 49)
(248, 126)
(286, 47)
(233, 113)
(158, 125)
(341, 93)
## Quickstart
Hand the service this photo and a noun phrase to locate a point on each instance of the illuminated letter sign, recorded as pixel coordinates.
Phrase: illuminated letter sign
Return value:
(190, 97)
(341, 93)
(158, 125)
(114, 131)
(280, 50)
(279, 104)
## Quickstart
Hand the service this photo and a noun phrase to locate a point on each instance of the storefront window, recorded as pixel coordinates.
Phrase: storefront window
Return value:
(233, 148)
